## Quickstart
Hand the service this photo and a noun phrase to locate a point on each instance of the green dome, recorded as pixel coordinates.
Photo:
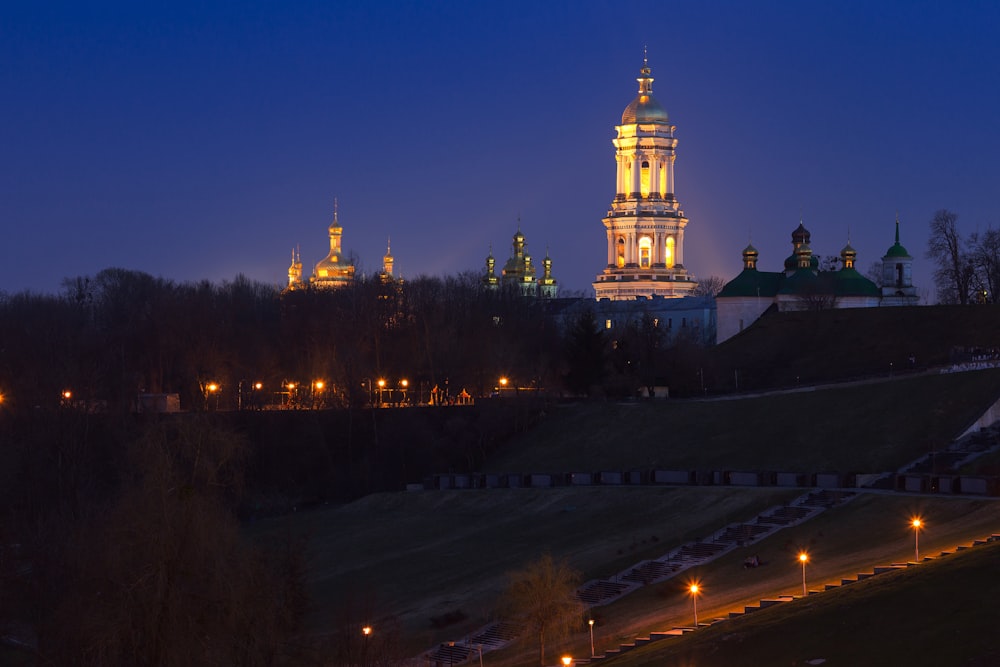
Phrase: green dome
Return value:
(897, 251)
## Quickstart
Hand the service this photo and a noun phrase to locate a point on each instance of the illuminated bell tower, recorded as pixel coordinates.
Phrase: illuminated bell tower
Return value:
(645, 225)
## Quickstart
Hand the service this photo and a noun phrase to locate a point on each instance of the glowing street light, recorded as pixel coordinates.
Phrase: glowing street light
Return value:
(591, 624)
(366, 631)
(566, 660)
(804, 558)
(916, 524)
(381, 388)
(67, 394)
(694, 589)
(258, 386)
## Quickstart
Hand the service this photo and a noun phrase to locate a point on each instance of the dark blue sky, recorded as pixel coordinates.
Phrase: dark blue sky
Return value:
(202, 140)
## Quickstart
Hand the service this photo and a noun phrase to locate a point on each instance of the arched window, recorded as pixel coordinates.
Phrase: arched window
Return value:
(644, 178)
(621, 253)
(668, 253)
(645, 252)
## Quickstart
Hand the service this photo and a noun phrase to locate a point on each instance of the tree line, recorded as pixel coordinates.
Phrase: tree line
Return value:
(110, 338)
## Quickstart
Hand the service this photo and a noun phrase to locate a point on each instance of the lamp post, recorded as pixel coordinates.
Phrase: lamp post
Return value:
(317, 397)
(381, 388)
(404, 384)
(694, 590)
(591, 624)
(367, 632)
(211, 389)
(916, 523)
(804, 558)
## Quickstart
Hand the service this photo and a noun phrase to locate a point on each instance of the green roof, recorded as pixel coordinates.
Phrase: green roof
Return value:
(851, 283)
(752, 282)
(846, 282)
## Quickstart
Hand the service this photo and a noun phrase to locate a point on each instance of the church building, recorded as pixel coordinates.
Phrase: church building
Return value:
(804, 285)
(645, 224)
(332, 271)
(520, 273)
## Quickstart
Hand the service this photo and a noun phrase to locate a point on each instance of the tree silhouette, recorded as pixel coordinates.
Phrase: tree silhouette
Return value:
(542, 598)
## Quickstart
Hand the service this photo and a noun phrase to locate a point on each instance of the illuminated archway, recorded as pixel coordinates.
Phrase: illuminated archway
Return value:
(645, 252)
(668, 253)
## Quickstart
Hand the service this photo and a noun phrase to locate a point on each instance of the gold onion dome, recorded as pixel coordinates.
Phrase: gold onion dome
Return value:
(644, 108)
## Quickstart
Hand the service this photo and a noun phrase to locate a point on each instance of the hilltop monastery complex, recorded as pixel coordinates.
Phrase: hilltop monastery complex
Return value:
(645, 273)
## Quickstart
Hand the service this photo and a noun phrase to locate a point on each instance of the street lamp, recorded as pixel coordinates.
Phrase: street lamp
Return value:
(566, 660)
(317, 392)
(694, 589)
(211, 389)
(591, 624)
(917, 524)
(367, 632)
(404, 385)
(804, 558)
(381, 387)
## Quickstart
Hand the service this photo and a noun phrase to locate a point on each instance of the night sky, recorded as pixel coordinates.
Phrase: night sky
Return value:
(202, 140)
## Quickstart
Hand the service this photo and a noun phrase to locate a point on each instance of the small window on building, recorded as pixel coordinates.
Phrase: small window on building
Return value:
(656, 321)
(684, 321)
(670, 323)
(607, 324)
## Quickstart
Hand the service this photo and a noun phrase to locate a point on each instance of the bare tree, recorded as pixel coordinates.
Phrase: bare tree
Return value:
(709, 286)
(985, 253)
(542, 597)
(955, 273)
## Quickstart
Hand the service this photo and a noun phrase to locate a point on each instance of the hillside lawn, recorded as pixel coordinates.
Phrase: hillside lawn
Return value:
(421, 555)
(873, 427)
(940, 613)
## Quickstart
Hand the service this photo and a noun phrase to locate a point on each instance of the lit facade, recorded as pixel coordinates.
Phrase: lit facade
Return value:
(645, 224)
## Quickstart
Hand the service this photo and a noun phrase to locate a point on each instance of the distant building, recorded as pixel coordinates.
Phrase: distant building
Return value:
(519, 272)
(803, 285)
(693, 317)
(332, 271)
(645, 224)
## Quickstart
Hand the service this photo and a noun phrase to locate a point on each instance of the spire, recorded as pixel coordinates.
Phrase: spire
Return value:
(645, 80)
(897, 227)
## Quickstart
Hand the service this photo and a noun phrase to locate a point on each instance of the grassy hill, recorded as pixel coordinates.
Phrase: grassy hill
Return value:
(784, 349)
(930, 615)
(431, 564)
(409, 560)
(858, 428)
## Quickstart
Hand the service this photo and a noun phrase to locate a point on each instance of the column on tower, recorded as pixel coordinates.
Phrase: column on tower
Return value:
(654, 177)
